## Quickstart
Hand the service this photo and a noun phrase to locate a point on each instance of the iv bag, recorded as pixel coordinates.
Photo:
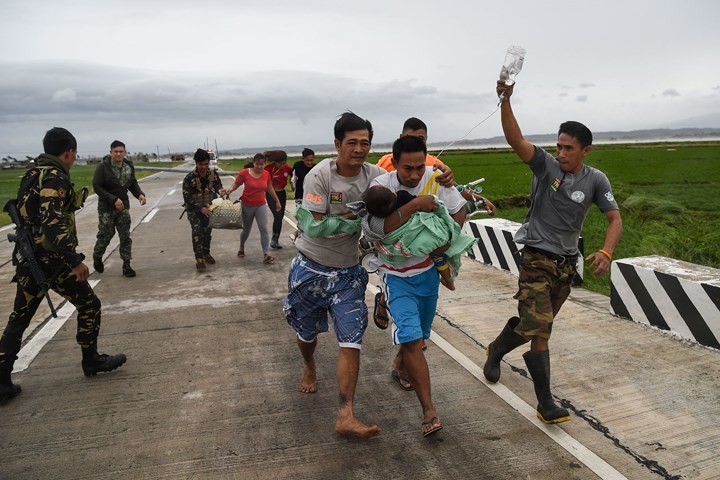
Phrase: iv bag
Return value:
(513, 63)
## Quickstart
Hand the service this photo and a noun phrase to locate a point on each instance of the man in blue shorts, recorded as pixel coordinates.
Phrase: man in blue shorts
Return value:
(412, 286)
(326, 275)
(563, 190)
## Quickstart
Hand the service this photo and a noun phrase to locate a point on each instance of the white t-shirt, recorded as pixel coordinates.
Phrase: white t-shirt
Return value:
(427, 186)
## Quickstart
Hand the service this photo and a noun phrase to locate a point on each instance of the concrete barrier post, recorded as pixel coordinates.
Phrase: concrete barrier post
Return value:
(669, 294)
(495, 245)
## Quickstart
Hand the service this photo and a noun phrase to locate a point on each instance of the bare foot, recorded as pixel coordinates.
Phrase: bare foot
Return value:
(308, 382)
(351, 426)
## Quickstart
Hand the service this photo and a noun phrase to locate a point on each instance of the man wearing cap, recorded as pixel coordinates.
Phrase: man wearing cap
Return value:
(46, 204)
(200, 187)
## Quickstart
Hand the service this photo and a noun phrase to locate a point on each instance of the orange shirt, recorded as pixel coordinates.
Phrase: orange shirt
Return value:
(386, 162)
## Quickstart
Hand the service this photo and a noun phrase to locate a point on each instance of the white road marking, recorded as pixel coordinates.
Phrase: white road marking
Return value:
(601, 468)
(32, 348)
(171, 191)
(150, 215)
(290, 222)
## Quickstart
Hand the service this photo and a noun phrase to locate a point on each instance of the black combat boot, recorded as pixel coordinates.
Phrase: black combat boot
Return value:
(538, 364)
(127, 269)
(505, 342)
(94, 362)
(8, 389)
(98, 264)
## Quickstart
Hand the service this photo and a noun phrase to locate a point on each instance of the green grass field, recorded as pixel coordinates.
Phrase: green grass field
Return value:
(669, 196)
(81, 175)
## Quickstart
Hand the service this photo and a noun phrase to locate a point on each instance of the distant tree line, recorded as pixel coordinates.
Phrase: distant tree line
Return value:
(133, 157)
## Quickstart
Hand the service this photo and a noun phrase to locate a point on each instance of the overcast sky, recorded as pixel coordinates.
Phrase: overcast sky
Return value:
(167, 74)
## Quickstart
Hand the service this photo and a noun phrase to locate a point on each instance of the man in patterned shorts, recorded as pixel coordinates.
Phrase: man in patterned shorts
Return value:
(326, 275)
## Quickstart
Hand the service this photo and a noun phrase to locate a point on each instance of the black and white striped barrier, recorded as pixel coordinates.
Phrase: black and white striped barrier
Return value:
(495, 245)
(669, 294)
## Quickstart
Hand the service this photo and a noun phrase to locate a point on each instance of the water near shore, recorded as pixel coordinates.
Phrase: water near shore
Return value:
(617, 138)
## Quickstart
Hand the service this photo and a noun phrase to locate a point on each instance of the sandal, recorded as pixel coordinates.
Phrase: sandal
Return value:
(241, 252)
(381, 319)
(268, 259)
(402, 381)
(435, 426)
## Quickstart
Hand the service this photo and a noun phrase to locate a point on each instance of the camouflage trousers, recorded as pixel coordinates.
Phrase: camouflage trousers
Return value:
(28, 298)
(201, 233)
(108, 222)
(543, 287)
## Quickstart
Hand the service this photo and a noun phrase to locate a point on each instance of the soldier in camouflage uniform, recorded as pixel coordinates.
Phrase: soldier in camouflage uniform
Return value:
(113, 178)
(200, 187)
(47, 203)
(563, 190)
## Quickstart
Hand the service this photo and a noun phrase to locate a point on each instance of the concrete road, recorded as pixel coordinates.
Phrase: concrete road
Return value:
(210, 386)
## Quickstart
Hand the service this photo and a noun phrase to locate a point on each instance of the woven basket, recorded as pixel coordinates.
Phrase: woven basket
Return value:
(226, 215)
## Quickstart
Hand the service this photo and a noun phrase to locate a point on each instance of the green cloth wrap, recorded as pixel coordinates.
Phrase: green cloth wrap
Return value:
(329, 226)
(423, 233)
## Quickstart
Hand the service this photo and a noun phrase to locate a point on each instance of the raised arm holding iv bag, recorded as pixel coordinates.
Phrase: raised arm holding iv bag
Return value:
(514, 58)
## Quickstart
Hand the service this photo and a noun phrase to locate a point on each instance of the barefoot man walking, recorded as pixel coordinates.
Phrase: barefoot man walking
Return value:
(326, 275)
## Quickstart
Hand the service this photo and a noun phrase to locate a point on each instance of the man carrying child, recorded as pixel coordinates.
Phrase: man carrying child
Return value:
(412, 287)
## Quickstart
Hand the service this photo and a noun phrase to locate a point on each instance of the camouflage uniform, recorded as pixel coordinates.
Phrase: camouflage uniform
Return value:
(107, 223)
(111, 183)
(47, 203)
(199, 192)
(543, 287)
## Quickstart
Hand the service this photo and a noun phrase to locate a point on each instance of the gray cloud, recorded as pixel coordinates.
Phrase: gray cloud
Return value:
(581, 98)
(65, 95)
(670, 92)
(79, 89)
(93, 96)
(172, 72)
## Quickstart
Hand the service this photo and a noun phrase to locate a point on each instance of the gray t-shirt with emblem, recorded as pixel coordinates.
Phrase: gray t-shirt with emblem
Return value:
(560, 202)
(328, 193)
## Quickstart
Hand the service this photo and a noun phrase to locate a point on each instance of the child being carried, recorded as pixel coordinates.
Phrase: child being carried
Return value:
(425, 233)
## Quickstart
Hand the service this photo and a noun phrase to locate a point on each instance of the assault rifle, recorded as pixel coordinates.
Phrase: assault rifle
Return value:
(25, 251)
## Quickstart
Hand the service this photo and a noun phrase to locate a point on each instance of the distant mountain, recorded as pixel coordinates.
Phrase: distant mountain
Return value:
(657, 134)
(709, 119)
